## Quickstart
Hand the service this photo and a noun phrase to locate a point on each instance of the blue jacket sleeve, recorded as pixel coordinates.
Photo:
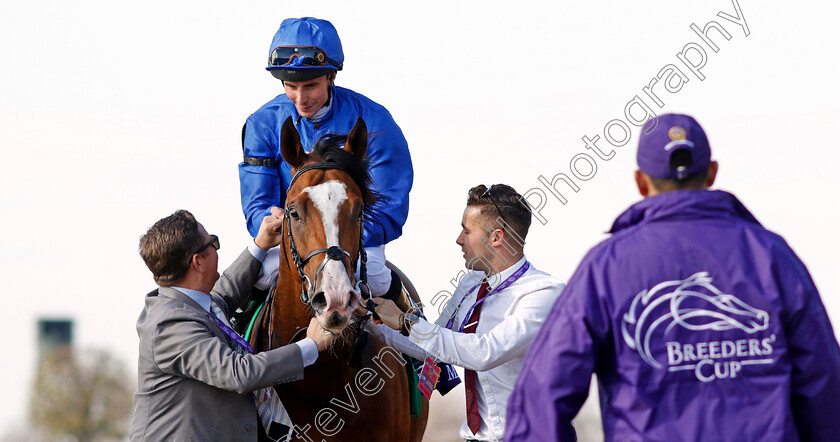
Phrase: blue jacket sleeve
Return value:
(260, 187)
(393, 175)
(557, 370)
(814, 352)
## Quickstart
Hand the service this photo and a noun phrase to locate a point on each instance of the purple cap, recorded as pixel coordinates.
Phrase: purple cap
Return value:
(672, 132)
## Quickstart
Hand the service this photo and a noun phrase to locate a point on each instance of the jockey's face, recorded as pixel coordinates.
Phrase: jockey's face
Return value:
(474, 240)
(308, 96)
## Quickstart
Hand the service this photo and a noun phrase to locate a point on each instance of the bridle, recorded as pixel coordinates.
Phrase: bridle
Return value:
(307, 286)
(336, 253)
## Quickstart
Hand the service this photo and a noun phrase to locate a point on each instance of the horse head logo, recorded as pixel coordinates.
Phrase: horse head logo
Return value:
(694, 304)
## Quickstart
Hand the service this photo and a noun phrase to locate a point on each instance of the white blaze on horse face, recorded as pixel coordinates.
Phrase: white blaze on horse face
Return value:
(335, 282)
(327, 197)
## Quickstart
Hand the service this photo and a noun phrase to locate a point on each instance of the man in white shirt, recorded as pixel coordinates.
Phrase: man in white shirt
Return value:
(497, 309)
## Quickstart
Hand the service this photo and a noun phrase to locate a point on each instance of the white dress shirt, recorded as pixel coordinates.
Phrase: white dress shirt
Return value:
(508, 322)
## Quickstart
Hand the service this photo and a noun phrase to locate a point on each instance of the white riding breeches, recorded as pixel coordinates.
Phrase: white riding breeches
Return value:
(270, 269)
(378, 275)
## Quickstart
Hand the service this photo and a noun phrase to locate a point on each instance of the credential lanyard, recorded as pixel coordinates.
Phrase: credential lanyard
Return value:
(233, 335)
(505, 284)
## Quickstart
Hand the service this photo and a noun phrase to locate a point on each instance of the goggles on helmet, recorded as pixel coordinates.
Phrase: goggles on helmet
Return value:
(308, 55)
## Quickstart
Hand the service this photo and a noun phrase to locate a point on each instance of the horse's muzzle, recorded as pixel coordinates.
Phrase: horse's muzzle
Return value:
(332, 314)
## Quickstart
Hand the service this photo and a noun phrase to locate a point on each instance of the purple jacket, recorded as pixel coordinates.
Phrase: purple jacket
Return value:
(699, 324)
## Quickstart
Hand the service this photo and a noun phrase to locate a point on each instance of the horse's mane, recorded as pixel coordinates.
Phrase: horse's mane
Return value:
(330, 148)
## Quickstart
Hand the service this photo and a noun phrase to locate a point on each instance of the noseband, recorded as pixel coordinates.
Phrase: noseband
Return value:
(335, 253)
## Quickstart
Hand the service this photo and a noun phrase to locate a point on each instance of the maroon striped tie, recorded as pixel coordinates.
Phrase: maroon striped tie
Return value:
(473, 418)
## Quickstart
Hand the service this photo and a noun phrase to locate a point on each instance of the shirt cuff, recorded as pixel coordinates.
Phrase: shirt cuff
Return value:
(256, 251)
(309, 351)
(422, 331)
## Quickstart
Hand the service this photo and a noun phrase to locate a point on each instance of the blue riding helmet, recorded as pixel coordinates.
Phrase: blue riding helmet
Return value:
(304, 48)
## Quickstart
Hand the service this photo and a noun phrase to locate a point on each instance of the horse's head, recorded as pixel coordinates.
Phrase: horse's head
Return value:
(325, 206)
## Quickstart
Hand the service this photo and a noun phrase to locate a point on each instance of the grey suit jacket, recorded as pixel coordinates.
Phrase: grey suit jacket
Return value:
(192, 384)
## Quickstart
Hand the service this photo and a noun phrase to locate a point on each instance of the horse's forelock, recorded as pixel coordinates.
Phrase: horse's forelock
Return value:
(330, 148)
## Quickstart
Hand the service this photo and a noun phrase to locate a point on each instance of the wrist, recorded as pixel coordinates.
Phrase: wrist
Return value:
(406, 321)
(261, 244)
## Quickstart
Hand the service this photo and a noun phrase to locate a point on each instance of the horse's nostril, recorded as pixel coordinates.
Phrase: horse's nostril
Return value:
(353, 300)
(319, 301)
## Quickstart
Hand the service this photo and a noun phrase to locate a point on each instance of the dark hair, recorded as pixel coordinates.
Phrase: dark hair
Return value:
(502, 201)
(168, 246)
(681, 158)
(330, 148)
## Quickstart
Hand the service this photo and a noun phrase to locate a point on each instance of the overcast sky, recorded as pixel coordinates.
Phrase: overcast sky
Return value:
(114, 114)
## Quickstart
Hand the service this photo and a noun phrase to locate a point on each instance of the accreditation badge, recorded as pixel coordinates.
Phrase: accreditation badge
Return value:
(428, 378)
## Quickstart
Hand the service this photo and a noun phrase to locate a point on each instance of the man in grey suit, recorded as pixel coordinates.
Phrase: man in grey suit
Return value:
(194, 384)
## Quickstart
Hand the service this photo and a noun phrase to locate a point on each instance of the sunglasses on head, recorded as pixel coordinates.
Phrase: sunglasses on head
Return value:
(489, 194)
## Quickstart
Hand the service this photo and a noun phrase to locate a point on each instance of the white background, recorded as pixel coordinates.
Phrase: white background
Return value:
(115, 114)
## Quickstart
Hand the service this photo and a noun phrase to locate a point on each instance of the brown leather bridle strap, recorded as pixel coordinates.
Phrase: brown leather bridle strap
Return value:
(333, 253)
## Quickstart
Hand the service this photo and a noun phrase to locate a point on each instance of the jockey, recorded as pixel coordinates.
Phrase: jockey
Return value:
(305, 55)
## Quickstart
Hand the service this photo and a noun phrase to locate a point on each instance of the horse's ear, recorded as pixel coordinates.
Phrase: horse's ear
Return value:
(357, 139)
(290, 145)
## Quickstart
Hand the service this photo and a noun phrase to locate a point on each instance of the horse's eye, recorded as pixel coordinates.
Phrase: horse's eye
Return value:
(294, 215)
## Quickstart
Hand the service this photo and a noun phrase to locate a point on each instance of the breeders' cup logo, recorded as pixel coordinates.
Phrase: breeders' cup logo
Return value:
(697, 305)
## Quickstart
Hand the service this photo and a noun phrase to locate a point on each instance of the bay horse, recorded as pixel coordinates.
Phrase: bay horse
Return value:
(358, 389)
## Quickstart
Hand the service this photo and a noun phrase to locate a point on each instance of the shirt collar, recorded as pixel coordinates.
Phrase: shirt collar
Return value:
(498, 278)
(324, 110)
(201, 298)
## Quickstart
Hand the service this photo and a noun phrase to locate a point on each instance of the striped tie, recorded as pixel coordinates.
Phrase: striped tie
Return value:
(275, 419)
